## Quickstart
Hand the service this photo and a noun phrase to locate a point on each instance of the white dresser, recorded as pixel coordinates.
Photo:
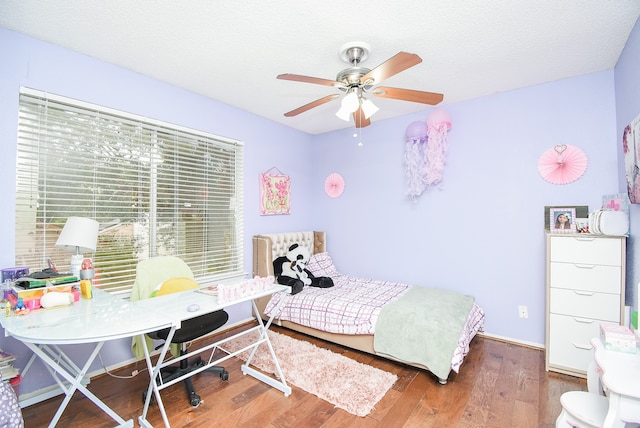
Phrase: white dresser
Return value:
(585, 287)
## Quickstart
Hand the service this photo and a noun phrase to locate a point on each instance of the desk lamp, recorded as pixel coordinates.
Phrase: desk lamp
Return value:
(80, 235)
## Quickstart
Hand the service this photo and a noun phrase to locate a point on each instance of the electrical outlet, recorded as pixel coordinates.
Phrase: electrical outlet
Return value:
(522, 310)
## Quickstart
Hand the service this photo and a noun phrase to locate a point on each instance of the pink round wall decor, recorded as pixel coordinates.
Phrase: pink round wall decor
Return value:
(334, 185)
(562, 164)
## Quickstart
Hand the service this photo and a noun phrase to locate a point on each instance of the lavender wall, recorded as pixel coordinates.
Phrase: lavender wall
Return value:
(627, 92)
(480, 232)
(29, 62)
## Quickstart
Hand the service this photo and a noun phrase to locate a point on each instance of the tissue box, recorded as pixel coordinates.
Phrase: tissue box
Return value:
(618, 338)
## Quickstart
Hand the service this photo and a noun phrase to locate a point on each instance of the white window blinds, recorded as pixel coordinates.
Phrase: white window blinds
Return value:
(155, 189)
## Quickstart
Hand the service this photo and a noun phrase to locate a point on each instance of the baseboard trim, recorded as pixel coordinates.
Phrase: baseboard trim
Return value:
(511, 340)
(48, 392)
(35, 397)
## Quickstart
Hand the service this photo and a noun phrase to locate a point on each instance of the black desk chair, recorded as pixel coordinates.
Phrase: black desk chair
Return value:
(165, 275)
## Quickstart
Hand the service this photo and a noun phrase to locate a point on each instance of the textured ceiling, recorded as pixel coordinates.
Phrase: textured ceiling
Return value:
(232, 51)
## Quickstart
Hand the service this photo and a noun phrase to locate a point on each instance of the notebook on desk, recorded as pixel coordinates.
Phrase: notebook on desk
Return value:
(27, 282)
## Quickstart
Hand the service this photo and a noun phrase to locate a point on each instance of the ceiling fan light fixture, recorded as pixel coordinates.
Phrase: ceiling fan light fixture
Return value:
(356, 81)
(350, 103)
(344, 114)
(368, 108)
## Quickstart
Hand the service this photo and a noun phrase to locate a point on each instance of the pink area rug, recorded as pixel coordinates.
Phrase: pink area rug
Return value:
(343, 382)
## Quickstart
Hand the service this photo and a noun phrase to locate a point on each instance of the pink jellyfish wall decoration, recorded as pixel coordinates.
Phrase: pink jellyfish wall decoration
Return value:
(415, 138)
(438, 124)
(426, 146)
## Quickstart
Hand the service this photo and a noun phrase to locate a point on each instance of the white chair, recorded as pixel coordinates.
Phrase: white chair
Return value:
(585, 409)
(582, 409)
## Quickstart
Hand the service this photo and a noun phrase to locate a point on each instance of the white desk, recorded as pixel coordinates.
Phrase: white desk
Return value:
(107, 317)
(621, 377)
(174, 307)
(103, 318)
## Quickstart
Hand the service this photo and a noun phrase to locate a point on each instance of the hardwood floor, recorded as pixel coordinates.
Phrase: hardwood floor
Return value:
(499, 385)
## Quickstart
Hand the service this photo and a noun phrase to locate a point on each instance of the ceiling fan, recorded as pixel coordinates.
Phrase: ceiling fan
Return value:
(357, 81)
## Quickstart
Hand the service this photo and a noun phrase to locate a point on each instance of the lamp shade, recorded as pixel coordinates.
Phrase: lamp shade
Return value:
(369, 108)
(79, 234)
(350, 103)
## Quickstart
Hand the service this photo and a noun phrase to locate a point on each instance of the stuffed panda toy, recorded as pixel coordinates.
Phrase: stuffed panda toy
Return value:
(291, 269)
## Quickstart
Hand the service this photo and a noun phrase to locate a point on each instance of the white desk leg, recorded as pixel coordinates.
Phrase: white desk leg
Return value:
(154, 372)
(264, 338)
(29, 363)
(62, 361)
(612, 420)
(76, 383)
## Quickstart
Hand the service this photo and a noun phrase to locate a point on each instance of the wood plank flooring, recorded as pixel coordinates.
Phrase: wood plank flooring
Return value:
(499, 385)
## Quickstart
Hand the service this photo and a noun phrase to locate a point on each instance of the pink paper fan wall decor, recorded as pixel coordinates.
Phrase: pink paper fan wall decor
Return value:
(562, 164)
(334, 185)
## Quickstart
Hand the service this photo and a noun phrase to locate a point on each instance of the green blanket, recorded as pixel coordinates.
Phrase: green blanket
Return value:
(423, 326)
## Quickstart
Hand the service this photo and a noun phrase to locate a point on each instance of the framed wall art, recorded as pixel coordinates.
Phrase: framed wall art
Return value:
(275, 192)
(631, 149)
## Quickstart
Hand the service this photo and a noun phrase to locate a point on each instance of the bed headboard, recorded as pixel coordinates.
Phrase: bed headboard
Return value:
(267, 248)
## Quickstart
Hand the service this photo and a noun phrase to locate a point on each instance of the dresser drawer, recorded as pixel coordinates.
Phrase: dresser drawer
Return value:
(587, 250)
(587, 277)
(570, 341)
(585, 304)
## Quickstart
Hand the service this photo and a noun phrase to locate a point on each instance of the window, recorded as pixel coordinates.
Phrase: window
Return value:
(155, 189)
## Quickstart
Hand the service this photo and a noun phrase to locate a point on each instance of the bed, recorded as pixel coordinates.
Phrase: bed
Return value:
(427, 328)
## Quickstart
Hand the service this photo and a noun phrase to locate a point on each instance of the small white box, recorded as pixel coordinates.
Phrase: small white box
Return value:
(618, 338)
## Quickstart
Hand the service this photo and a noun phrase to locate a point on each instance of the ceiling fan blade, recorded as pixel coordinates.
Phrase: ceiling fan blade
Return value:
(394, 65)
(309, 79)
(408, 95)
(359, 118)
(311, 105)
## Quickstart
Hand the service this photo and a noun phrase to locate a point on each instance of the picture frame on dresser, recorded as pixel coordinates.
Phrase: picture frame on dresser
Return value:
(582, 225)
(581, 211)
(562, 220)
